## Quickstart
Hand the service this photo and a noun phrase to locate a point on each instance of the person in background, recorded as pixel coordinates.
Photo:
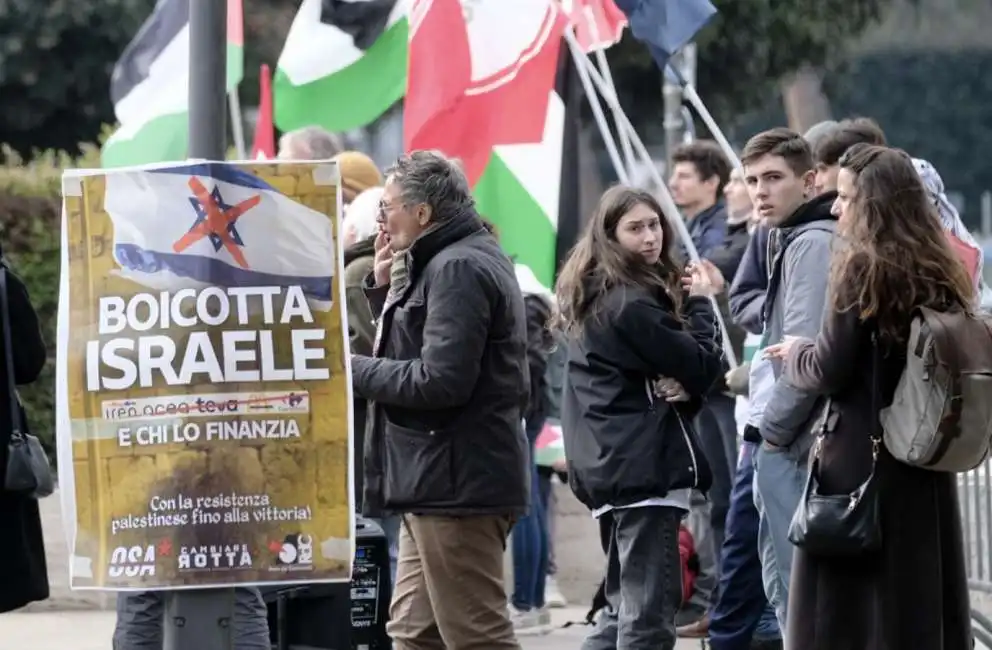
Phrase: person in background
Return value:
(740, 618)
(530, 532)
(700, 170)
(913, 591)
(728, 255)
(641, 356)
(358, 173)
(447, 385)
(962, 241)
(829, 149)
(309, 143)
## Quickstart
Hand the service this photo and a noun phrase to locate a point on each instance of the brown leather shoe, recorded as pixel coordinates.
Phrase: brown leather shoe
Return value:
(696, 630)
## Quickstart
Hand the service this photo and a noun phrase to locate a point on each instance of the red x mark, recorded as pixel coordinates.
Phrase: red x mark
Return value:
(216, 222)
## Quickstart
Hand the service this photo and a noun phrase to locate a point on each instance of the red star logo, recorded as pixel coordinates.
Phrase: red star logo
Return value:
(165, 547)
(217, 221)
(275, 546)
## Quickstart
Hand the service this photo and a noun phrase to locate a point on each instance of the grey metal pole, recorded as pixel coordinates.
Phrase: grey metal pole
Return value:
(673, 121)
(207, 79)
(203, 618)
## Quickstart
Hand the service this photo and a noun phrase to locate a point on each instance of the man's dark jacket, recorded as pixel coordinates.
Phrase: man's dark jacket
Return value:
(448, 383)
(747, 293)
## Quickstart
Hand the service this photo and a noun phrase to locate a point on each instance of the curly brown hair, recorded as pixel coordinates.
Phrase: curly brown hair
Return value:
(598, 263)
(896, 256)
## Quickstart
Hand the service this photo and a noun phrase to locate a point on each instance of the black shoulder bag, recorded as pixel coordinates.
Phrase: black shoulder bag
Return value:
(28, 470)
(841, 525)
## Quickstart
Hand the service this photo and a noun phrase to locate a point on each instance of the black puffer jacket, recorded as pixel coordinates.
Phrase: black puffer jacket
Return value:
(448, 383)
(622, 444)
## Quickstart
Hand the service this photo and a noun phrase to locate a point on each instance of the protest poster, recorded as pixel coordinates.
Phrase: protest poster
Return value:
(204, 406)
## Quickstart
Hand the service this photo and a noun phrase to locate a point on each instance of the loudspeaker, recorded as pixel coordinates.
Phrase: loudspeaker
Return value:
(345, 616)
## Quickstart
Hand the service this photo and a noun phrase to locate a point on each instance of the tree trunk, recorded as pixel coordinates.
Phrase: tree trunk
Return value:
(805, 103)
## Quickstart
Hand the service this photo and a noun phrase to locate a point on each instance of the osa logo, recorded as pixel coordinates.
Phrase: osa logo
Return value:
(132, 562)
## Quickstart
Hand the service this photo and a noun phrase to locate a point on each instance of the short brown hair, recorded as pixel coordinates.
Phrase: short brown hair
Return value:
(784, 143)
(858, 130)
(708, 159)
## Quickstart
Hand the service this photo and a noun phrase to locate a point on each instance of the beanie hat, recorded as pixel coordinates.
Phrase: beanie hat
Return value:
(358, 171)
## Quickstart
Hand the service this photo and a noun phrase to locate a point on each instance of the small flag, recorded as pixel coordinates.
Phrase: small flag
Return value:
(666, 25)
(264, 145)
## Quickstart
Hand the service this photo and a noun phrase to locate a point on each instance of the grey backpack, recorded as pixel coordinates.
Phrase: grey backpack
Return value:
(941, 415)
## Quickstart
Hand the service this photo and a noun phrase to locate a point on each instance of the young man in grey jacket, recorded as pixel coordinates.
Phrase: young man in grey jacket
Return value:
(778, 168)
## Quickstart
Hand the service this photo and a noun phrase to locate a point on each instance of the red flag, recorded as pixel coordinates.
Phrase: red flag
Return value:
(598, 24)
(479, 78)
(264, 146)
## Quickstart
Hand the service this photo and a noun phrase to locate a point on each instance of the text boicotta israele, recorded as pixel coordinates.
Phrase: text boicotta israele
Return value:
(132, 358)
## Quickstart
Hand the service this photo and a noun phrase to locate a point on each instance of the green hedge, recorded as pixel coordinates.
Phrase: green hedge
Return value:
(30, 227)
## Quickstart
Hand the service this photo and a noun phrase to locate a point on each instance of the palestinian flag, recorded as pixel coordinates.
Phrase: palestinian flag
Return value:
(343, 65)
(482, 89)
(150, 85)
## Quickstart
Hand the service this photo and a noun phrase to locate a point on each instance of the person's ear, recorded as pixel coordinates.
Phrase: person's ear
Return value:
(809, 179)
(423, 214)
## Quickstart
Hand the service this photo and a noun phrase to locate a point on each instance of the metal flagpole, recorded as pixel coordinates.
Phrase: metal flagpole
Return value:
(604, 69)
(202, 618)
(237, 124)
(689, 92)
(667, 203)
(582, 65)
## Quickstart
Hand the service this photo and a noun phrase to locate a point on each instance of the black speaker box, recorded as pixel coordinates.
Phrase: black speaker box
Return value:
(345, 616)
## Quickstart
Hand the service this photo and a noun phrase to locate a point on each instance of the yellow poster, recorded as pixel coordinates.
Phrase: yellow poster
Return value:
(207, 396)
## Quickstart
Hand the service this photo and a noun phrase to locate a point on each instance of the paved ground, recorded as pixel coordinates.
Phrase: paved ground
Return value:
(91, 630)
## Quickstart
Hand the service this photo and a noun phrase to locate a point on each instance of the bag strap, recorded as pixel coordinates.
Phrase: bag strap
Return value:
(876, 421)
(8, 353)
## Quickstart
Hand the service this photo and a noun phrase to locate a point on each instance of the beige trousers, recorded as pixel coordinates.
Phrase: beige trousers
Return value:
(449, 592)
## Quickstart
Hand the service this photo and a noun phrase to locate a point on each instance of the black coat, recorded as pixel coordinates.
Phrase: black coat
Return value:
(914, 592)
(23, 572)
(622, 444)
(448, 384)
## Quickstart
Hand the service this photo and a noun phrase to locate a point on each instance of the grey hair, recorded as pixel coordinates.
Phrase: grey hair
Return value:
(432, 178)
(319, 143)
(819, 131)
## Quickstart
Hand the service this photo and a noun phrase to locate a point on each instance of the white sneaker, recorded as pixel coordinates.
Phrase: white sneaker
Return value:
(544, 620)
(552, 594)
(529, 623)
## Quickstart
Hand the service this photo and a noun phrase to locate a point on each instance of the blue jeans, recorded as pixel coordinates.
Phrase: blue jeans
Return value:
(779, 479)
(741, 610)
(530, 544)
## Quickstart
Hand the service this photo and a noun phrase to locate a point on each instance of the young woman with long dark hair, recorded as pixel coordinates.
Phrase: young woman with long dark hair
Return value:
(892, 257)
(641, 354)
